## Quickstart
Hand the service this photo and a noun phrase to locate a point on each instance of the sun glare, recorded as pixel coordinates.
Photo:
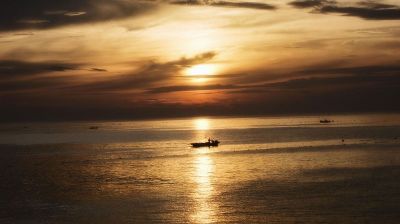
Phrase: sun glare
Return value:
(201, 124)
(202, 69)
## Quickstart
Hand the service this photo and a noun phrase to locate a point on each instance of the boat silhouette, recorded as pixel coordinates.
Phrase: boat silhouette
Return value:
(209, 143)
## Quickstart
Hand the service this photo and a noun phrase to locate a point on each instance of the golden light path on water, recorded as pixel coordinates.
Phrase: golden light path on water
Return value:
(205, 210)
(201, 124)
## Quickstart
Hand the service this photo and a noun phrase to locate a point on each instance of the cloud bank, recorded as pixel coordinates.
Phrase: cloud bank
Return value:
(44, 14)
(371, 10)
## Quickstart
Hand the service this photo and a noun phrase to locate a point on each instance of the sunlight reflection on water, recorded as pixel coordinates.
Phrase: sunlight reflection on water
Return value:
(205, 209)
(201, 124)
(257, 175)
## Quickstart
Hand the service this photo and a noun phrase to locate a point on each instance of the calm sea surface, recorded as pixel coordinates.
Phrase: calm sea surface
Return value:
(266, 170)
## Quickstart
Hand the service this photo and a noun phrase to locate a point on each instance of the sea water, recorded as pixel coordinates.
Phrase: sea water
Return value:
(266, 170)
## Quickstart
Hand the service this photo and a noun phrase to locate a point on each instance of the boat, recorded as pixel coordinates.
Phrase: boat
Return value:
(209, 143)
(325, 121)
(93, 127)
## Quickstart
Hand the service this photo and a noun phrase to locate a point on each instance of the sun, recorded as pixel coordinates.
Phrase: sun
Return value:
(201, 69)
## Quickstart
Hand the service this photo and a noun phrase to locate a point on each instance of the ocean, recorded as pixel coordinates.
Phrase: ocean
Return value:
(266, 170)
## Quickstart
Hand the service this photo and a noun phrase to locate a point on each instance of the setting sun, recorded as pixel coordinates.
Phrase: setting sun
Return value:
(202, 69)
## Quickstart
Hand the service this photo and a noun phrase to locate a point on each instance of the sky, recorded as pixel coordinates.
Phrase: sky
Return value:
(132, 59)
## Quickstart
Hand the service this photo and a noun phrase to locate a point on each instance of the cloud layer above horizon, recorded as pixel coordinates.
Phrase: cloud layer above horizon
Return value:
(131, 59)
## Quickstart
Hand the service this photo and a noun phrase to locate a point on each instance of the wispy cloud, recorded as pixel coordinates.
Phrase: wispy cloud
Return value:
(242, 4)
(142, 78)
(23, 68)
(149, 73)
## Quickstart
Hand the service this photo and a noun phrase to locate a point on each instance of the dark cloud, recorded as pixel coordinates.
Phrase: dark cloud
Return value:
(375, 5)
(42, 14)
(197, 59)
(298, 96)
(364, 12)
(379, 76)
(307, 3)
(354, 70)
(316, 89)
(249, 5)
(376, 81)
(22, 68)
(44, 84)
(98, 70)
(328, 69)
(307, 84)
(372, 10)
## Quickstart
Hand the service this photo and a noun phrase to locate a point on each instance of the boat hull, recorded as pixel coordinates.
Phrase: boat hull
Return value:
(205, 144)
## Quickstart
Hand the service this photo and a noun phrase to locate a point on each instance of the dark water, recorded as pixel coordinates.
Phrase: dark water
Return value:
(267, 170)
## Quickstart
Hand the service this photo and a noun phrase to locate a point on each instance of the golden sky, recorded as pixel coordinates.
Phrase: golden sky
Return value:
(167, 58)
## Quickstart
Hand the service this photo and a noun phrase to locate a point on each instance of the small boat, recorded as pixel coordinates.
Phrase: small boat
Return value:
(93, 127)
(325, 121)
(209, 143)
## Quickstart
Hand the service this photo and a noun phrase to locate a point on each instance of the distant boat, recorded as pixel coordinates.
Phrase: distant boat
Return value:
(325, 121)
(93, 127)
(209, 143)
